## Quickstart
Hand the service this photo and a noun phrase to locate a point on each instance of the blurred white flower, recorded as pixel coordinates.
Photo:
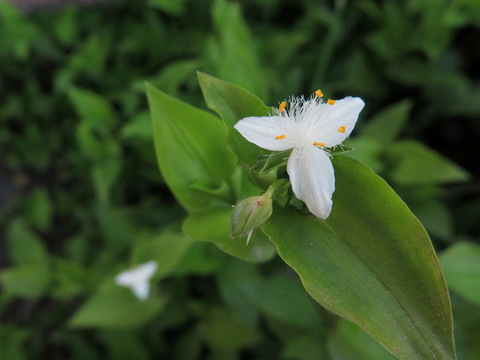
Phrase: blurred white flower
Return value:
(309, 127)
(138, 279)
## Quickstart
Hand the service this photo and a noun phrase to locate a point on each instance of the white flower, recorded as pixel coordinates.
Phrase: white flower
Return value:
(309, 127)
(138, 279)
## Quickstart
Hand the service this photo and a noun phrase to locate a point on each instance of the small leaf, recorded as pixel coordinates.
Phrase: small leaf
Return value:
(28, 281)
(91, 107)
(349, 342)
(284, 299)
(38, 209)
(371, 262)
(198, 225)
(461, 266)
(25, 246)
(166, 248)
(387, 125)
(226, 334)
(233, 103)
(190, 148)
(417, 164)
(113, 307)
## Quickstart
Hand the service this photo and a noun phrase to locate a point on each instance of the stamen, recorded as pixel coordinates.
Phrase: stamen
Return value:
(318, 144)
(319, 93)
(280, 137)
(330, 102)
(341, 129)
(283, 104)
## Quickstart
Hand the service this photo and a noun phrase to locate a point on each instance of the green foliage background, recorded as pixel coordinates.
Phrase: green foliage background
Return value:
(82, 199)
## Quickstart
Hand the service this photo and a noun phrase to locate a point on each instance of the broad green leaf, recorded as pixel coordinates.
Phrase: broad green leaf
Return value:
(115, 307)
(371, 262)
(166, 248)
(233, 103)
(190, 148)
(461, 266)
(214, 225)
(91, 107)
(386, 125)
(349, 342)
(417, 164)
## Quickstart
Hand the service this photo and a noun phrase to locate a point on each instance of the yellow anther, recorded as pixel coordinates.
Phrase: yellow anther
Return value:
(341, 129)
(318, 93)
(283, 104)
(318, 144)
(280, 137)
(330, 101)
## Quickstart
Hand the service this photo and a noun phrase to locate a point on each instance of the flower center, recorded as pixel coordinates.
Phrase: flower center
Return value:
(341, 129)
(280, 137)
(318, 144)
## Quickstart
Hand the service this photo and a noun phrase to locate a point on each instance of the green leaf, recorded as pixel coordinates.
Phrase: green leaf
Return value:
(237, 62)
(372, 263)
(233, 278)
(37, 209)
(233, 103)
(12, 340)
(200, 259)
(461, 266)
(198, 225)
(284, 299)
(387, 125)
(27, 280)
(226, 334)
(305, 347)
(25, 246)
(91, 107)
(349, 342)
(417, 164)
(114, 307)
(190, 148)
(166, 248)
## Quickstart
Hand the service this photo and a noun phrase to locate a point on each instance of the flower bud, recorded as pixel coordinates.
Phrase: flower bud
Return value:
(249, 214)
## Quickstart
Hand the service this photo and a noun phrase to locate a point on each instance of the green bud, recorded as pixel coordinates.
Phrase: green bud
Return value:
(250, 213)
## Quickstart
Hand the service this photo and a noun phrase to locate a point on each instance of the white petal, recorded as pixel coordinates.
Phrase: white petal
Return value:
(274, 133)
(331, 124)
(125, 278)
(147, 270)
(141, 290)
(313, 181)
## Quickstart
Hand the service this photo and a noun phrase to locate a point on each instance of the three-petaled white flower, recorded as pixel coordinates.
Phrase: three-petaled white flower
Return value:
(309, 127)
(138, 279)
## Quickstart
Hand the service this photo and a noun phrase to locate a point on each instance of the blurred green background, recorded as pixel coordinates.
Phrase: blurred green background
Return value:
(81, 197)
